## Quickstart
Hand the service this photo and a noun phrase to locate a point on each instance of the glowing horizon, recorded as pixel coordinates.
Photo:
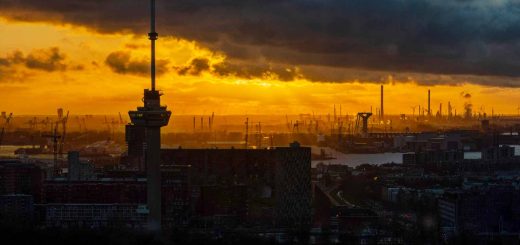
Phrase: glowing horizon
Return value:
(82, 80)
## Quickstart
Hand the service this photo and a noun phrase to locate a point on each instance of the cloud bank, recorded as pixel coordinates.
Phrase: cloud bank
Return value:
(48, 60)
(477, 39)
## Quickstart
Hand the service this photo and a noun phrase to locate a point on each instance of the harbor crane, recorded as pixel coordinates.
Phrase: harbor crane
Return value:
(362, 121)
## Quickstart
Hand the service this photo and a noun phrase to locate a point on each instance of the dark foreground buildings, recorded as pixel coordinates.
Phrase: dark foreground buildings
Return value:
(201, 189)
(257, 187)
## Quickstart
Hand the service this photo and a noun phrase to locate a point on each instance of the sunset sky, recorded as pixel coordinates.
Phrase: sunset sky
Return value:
(260, 56)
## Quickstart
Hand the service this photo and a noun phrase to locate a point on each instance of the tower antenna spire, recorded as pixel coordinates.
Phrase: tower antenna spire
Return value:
(152, 36)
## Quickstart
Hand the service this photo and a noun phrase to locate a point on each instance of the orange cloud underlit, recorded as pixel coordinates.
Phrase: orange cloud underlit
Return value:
(87, 83)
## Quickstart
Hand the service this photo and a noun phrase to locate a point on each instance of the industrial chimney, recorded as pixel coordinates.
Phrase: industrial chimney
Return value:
(382, 112)
(429, 111)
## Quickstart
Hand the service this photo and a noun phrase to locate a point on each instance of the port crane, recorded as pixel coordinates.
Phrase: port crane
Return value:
(362, 122)
(121, 121)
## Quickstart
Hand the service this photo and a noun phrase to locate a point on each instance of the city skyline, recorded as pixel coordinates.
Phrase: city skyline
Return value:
(261, 122)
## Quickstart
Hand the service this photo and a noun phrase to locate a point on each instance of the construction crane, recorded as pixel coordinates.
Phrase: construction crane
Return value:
(45, 122)
(55, 137)
(7, 120)
(115, 125)
(122, 122)
(33, 124)
(296, 127)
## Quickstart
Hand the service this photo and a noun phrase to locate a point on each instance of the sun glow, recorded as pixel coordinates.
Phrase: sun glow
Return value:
(88, 85)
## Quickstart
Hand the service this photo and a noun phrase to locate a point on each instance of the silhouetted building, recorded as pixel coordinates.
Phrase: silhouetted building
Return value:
(496, 154)
(95, 215)
(176, 195)
(482, 211)
(293, 186)
(222, 205)
(135, 141)
(102, 203)
(79, 170)
(433, 156)
(17, 208)
(21, 178)
(268, 181)
(117, 201)
(104, 191)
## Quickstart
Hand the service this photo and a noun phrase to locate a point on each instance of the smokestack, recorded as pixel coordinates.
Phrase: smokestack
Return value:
(450, 114)
(334, 112)
(429, 112)
(382, 110)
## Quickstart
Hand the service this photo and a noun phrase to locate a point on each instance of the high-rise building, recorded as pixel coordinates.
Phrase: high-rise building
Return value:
(293, 186)
(79, 170)
(135, 141)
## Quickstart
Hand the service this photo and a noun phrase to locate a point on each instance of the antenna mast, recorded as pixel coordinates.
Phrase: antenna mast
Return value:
(152, 36)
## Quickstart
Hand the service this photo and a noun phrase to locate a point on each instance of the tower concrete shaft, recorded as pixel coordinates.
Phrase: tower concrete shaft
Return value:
(153, 176)
(152, 116)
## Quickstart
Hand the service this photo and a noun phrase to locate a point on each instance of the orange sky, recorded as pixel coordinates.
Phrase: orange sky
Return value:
(82, 83)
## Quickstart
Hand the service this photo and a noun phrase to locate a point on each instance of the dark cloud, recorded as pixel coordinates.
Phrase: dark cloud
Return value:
(465, 95)
(462, 38)
(51, 59)
(195, 67)
(251, 70)
(238, 69)
(47, 60)
(121, 62)
(18, 67)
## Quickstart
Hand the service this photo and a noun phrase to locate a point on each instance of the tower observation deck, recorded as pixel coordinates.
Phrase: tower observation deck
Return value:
(152, 116)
